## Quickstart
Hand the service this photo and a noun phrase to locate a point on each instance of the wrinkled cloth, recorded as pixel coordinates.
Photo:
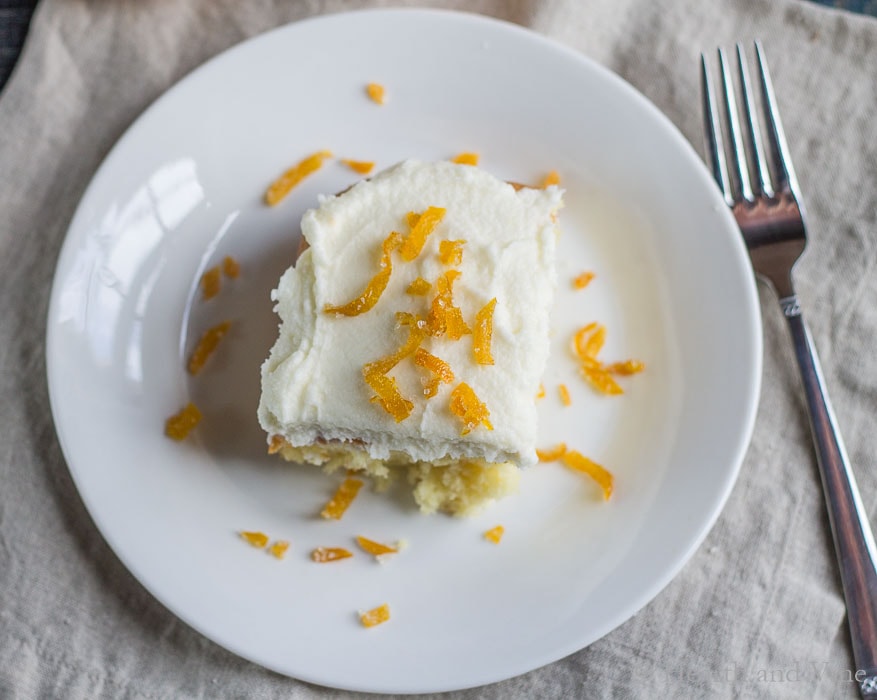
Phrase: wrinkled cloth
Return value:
(757, 612)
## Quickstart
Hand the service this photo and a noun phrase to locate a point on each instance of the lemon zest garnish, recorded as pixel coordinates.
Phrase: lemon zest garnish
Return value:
(321, 555)
(494, 534)
(342, 499)
(363, 167)
(565, 398)
(375, 287)
(376, 93)
(283, 185)
(231, 267)
(465, 158)
(416, 238)
(583, 280)
(482, 334)
(552, 454)
(278, 549)
(211, 283)
(451, 252)
(552, 178)
(256, 539)
(444, 317)
(541, 393)
(374, 548)
(627, 367)
(466, 405)
(418, 287)
(436, 365)
(375, 616)
(578, 462)
(206, 345)
(179, 425)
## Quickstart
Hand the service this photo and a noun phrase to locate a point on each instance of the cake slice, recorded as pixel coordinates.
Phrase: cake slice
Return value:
(414, 333)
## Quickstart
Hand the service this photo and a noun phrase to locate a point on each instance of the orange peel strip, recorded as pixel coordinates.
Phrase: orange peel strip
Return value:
(376, 93)
(466, 158)
(565, 398)
(482, 334)
(418, 287)
(179, 425)
(578, 462)
(583, 280)
(466, 405)
(416, 238)
(231, 268)
(283, 185)
(256, 539)
(363, 167)
(375, 287)
(495, 534)
(375, 616)
(451, 252)
(321, 555)
(211, 283)
(342, 499)
(626, 368)
(278, 549)
(444, 317)
(552, 178)
(374, 548)
(441, 369)
(601, 380)
(206, 346)
(552, 455)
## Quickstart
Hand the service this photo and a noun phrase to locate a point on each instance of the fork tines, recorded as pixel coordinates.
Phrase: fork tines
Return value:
(749, 175)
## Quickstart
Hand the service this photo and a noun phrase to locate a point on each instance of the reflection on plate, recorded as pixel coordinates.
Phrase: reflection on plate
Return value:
(183, 188)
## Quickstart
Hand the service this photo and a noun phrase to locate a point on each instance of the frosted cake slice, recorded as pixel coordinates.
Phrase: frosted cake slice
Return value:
(414, 333)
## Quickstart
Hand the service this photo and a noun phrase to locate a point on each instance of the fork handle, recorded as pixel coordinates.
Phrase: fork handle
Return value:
(853, 540)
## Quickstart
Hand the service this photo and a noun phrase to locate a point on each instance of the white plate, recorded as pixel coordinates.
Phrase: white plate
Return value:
(183, 188)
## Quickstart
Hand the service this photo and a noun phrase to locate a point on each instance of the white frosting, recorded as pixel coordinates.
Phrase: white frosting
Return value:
(312, 383)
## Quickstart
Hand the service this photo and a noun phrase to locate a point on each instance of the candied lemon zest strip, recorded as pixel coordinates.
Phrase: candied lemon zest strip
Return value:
(231, 268)
(256, 539)
(444, 317)
(553, 454)
(211, 283)
(583, 280)
(375, 287)
(206, 346)
(482, 334)
(466, 405)
(565, 398)
(552, 178)
(416, 238)
(441, 369)
(627, 367)
(376, 92)
(578, 462)
(279, 548)
(466, 158)
(283, 185)
(601, 380)
(363, 167)
(411, 218)
(179, 425)
(388, 395)
(495, 534)
(419, 287)
(376, 616)
(451, 252)
(342, 499)
(374, 548)
(541, 393)
(321, 555)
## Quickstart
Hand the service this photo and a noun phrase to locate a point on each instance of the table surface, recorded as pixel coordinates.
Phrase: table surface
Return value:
(15, 18)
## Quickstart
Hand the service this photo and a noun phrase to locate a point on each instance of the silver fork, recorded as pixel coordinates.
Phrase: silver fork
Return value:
(769, 212)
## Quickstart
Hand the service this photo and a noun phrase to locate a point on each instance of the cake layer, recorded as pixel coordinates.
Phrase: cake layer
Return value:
(313, 388)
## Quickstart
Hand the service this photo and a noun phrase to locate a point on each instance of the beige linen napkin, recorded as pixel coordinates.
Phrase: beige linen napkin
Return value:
(757, 612)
